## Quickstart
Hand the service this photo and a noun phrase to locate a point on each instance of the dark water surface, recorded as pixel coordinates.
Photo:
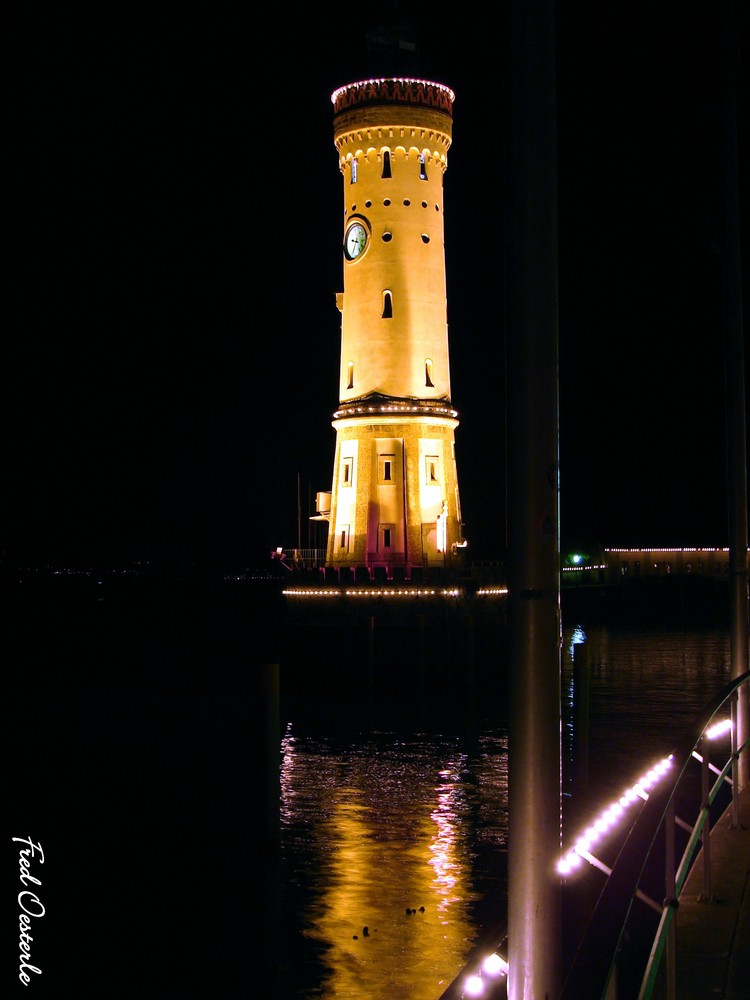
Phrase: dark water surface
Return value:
(136, 749)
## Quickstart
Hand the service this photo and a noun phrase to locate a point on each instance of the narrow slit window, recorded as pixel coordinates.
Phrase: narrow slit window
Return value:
(422, 167)
(428, 373)
(386, 469)
(432, 470)
(355, 166)
(344, 538)
(386, 164)
(347, 471)
(387, 306)
(386, 535)
(350, 375)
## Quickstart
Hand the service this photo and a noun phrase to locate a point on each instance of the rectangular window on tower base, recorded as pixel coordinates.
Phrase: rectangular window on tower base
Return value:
(385, 537)
(432, 470)
(386, 468)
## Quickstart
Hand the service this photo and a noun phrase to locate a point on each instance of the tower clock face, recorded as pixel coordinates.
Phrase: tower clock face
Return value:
(355, 241)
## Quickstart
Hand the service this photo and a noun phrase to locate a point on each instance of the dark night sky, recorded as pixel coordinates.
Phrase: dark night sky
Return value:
(171, 354)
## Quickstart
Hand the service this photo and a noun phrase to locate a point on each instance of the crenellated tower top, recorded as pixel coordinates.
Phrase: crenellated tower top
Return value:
(394, 90)
(406, 111)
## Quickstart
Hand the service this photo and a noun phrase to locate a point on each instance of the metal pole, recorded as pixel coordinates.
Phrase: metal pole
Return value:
(421, 654)
(735, 822)
(671, 900)
(370, 625)
(299, 517)
(265, 766)
(267, 679)
(534, 628)
(470, 649)
(706, 807)
(735, 390)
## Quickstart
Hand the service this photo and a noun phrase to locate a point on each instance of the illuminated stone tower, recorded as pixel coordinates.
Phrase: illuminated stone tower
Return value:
(394, 503)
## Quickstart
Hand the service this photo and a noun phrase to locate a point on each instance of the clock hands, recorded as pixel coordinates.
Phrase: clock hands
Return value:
(356, 240)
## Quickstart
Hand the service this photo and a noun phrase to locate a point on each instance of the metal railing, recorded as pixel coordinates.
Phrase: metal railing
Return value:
(644, 852)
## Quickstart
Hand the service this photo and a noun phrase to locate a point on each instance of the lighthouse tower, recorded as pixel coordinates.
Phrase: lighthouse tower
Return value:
(394, 503)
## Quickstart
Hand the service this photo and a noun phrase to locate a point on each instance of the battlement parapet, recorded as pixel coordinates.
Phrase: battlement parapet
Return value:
(395, 90)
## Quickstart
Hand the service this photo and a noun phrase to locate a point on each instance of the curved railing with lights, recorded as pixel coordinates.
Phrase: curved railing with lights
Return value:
(648, 806)
(655, 796)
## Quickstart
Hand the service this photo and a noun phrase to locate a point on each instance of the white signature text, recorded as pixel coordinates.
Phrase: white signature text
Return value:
(30, 904)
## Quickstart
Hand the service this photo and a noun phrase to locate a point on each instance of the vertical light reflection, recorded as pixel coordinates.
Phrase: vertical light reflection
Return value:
(492, 777)
(444, 849)
(577, 636)
(286, 776)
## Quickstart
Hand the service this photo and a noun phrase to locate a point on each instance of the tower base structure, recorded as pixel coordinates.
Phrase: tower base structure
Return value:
(395, 503)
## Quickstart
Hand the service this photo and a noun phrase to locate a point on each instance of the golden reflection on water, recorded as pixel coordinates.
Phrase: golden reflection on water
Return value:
(380, 827)
(393, 856)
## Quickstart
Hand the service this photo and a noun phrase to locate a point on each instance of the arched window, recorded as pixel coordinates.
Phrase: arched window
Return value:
(428, 373)
(355, 166)
(387, 306)
(422, 167)
(386, 164)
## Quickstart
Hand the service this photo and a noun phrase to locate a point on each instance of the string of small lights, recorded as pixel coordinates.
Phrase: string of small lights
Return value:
(388, 592)
(488, 978)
